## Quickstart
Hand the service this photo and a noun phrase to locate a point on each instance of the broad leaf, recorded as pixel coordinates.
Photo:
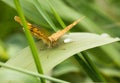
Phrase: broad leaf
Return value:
(51, 57)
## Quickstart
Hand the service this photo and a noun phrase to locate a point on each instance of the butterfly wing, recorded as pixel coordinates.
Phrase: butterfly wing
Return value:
(54, 37)
(35, 31)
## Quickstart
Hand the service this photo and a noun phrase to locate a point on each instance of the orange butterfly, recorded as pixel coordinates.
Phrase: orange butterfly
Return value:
(51, 41)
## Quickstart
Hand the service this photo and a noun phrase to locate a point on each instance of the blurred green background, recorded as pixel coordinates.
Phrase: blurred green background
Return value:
(11, 33)
(103, 16)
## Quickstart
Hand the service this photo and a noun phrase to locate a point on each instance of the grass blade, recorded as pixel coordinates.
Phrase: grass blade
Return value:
(30, 39)
(31, 73)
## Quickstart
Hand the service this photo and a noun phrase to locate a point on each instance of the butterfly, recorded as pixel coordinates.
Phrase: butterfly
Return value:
(51, 40)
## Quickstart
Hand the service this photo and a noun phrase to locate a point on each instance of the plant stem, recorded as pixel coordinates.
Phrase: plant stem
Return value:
(92, 66)
(44, 14)
(88, 69)
(30, 39)
(56, 15)
(32, 73)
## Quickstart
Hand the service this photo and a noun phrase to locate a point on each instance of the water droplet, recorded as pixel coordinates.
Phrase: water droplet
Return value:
(105, 35)
(67, 40)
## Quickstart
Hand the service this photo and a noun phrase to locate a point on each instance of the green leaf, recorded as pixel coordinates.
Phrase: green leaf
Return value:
(50, 57)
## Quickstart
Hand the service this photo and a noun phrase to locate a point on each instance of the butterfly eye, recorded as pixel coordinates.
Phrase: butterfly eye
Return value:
(67, 40)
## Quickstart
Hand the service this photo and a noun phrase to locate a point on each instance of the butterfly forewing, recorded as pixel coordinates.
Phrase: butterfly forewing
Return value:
(35, 31)
(58, 34)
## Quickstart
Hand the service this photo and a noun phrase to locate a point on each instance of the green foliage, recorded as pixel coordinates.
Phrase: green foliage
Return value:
(101, 17)
(7, 24)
